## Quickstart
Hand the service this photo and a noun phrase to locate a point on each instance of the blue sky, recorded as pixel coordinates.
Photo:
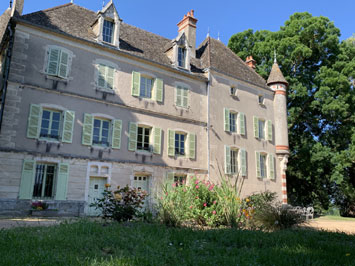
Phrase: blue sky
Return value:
(223, 18)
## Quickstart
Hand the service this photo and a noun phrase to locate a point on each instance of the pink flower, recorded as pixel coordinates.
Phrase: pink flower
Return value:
(214, 202)
(197, 187)
(196, 182)
(213, 212)
(211, 187)
(190, 207)
(174, 185)
(205, 204)
(166, 193)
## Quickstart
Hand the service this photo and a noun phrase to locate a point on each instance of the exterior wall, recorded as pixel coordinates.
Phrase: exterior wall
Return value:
(246, 101)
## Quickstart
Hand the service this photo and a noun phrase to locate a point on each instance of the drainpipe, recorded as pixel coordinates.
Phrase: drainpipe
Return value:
(208, 124)
(7, 71)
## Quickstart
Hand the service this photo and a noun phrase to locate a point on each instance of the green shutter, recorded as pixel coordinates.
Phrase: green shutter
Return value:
(116, 134)
(68, 126)
(271, 167)
(27, 179)
(53, 61)
(87, 129)
(34, 120)
(178, 96)
(258, 171)
(136, 83)
(256, 127)
(109, 77)
(132, 144)
(185, 96)
(62, 181)
(159, 90)
(157, 140)
(102, 73)
(242, 124)
(171, 142)
(243, 162)
(63, 66)
(269, 130)
(226, 120)
(192, 145)
(227, 159)
(169, 180)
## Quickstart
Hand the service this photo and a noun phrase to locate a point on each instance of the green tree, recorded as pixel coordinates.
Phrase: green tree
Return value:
(321, 105)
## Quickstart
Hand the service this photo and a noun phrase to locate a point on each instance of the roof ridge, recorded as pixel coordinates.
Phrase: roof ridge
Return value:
(54, 8)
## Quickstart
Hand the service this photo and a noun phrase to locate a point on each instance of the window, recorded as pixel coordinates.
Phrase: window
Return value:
(50, 124)
(235, 161)
(182, 57)
(180, 144)
(181, 97)
(232, 122)
(107, 32)
(143, 138)
(231, 119)
(261, 99)
(105, 77)
(146, 87)
(263, 129)
(262, 165)
(265, 165)
(179, 180)
(141, 183)
(59, 60)
(233, 91)
(101, 132)
(44, 181)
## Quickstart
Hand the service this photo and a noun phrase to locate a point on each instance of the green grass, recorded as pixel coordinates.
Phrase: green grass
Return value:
(91, 243)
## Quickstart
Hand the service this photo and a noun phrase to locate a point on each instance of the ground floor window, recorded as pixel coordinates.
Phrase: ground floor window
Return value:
(234, 161)
(263, 172)
(179, 180)
(44, 181)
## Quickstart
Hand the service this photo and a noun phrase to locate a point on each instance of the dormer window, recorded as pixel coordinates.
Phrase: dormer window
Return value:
(182, 57)
(107, 32)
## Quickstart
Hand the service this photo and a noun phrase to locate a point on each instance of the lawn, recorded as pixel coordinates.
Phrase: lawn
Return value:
(92, 243)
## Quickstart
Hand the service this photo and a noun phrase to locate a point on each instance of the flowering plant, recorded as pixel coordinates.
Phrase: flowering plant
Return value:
(39, 205)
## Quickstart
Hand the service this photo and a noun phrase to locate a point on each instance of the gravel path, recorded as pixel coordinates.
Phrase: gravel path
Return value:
(324, 223)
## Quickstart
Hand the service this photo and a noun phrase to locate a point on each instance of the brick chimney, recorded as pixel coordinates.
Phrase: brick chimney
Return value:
(250, 62)
(188, 26)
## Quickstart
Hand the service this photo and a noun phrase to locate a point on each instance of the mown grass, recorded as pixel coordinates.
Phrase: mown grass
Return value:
(92, 243)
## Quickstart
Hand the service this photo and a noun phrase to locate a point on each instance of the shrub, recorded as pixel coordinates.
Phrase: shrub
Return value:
(120, 205)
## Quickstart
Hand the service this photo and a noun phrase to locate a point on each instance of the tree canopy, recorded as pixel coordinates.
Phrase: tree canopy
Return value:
(321, 105)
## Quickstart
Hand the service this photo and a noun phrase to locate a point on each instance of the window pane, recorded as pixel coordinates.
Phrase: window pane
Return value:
(48, 189)
(56, 116)
(45, 123)
(105, 124)
(55, 125)
(97, 123)
(107, 31)
(38, 183)
(46, 114)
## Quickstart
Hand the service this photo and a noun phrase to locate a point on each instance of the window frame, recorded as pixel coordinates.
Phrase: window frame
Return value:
(234, 160)
(105, 77)
(44, 179)
(262, 125)
(144, 127)
(263, 165)
(112, 29)
(178, 149)
(261, 99)
(182, 95)
(180, 179)
(60, 124)
(182, 55)
(109, 129)
(145, 77)
(59, 62)
(233, 127)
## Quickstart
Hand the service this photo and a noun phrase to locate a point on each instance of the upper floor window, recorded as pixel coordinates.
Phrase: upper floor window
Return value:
(261, 99)
(182, 95)
(50, 124)
(232, 119)
(233, 91)
(144, 138)
(180, 143)
(59, 60)
(182, 57)
(147, 87)
(107, 31)
(101, 131)
(105, 77)
(262, 129)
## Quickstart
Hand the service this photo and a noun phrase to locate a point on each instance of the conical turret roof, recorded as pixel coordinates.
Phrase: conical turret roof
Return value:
(276, 75)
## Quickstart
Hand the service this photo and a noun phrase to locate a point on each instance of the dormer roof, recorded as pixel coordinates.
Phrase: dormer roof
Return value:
(276, 75)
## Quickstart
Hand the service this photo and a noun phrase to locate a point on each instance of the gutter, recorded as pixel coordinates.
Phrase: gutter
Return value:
(7, 71)
(208, 124)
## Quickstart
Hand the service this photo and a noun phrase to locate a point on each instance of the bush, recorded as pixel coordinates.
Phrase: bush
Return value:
(121, 205)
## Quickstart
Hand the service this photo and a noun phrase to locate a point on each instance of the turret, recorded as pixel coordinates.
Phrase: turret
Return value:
(278, 84)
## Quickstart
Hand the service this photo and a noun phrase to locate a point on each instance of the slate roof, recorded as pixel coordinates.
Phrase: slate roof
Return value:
(4, 21)
(76, 21)
(276, 75)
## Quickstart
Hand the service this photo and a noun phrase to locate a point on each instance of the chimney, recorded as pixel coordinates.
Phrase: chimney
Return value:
(250, 62)
(17, 8)
(188, 26)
